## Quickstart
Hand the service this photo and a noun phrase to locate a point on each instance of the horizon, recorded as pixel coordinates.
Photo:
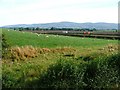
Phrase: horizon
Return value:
(34, 12)
(55, 22)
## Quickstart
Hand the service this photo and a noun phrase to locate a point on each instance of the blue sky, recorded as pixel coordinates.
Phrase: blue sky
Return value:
(46, 11)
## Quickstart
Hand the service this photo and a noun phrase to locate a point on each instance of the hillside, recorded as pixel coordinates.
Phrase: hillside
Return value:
(100, 25)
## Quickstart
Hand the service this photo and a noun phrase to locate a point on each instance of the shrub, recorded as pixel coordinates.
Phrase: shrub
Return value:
(103, 73)
(5, 46)
(63, 74)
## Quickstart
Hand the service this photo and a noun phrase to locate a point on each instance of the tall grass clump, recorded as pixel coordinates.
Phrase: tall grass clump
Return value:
(22, 53)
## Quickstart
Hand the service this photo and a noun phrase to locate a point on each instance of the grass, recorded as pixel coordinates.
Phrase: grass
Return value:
(52, 41)
(46, 72)
(51, 61)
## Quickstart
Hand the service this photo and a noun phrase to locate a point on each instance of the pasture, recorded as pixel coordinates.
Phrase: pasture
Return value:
(17, 38)
(52, 61)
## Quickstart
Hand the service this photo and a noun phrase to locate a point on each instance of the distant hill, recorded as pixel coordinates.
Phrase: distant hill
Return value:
(100, 25)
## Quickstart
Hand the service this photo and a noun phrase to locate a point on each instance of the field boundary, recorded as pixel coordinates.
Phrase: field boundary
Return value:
(103, 35)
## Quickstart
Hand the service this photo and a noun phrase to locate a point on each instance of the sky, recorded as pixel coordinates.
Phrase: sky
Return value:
(47, 11)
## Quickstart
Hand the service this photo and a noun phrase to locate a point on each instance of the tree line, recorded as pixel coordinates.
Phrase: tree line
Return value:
(54, 28)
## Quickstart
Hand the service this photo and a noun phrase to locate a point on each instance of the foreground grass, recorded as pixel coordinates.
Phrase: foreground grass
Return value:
(59, 68)
(56, 71)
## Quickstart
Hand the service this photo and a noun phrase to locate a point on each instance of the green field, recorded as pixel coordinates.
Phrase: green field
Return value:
(52, 41)
(53, 61)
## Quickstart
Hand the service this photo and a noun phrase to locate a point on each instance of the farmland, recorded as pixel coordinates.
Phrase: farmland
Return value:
(104, 34)
(45, 40)
(35, 61)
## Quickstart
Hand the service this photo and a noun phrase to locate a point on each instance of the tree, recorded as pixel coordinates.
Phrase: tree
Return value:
(37, 28)
(52, 28)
